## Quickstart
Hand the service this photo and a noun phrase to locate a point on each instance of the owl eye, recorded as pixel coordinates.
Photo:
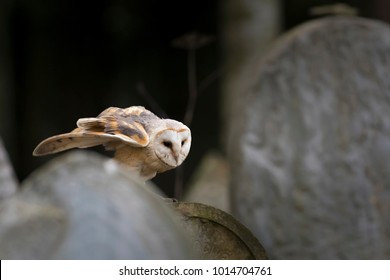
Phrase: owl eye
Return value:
(167, 144)
(182, 142)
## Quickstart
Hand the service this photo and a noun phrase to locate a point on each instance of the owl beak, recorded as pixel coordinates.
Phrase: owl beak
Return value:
(176, 154)
(176, 157)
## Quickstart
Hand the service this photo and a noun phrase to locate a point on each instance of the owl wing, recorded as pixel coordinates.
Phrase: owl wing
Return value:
(66, 141)
(113, 125)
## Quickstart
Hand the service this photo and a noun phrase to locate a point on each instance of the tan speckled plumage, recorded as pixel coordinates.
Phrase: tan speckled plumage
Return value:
(142, 141)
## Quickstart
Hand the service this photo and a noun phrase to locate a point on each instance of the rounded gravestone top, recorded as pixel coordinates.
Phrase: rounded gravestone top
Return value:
(83, 206)
(311, 148)
(8, 182)
(216, 234)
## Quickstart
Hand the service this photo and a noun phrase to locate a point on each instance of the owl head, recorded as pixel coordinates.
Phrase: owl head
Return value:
(172, 143)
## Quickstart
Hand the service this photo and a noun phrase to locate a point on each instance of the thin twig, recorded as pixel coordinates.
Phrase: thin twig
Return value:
(191, 42)
(152, 103)
(192, 86)
(178, 189)
(189, 113)
(206, 82)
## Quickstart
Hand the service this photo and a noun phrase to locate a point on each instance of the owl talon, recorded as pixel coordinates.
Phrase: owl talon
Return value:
(169, 199)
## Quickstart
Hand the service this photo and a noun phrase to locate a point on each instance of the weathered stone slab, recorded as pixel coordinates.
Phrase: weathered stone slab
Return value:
(8, 182)
(81, 206)
(210, 183)
(214, 234)
(310, 149)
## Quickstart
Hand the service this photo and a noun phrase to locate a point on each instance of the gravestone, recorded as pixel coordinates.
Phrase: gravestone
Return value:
(210, 182)
(8, 182)
(310, 151)
(216, 235)
(82, 206)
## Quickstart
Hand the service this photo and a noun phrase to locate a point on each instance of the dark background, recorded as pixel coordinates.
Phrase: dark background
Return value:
(62, 60)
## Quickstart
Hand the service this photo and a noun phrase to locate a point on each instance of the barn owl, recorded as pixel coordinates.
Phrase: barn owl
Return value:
(142, 141)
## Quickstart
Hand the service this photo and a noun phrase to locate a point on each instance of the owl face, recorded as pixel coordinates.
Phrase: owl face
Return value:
(172, 145)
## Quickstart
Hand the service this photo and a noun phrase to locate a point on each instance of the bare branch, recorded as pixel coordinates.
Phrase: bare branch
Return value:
(152, 103)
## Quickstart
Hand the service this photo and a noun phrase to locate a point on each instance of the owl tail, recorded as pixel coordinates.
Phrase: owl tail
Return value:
(62, 142)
